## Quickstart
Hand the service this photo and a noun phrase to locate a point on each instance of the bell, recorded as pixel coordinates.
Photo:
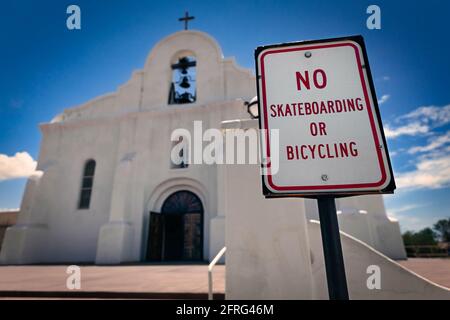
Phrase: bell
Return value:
(185, 83)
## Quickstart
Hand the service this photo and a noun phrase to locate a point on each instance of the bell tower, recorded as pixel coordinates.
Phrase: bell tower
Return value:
(182, 88)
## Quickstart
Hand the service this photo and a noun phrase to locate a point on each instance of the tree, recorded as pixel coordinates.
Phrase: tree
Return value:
(442, 228)
(408, 238)
(421, 238)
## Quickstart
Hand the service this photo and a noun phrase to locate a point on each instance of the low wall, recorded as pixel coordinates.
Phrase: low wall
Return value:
(7, 219)
(397, 282)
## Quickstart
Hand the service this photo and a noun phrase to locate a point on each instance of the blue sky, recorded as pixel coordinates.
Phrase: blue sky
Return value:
(46, 68)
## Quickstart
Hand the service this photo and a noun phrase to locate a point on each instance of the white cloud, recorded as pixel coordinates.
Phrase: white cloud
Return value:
(21, 165)
(433, 144)
(420, 121)
(431, 172)
(432, 159)
(405, 208)
(384, 98)
(411, 129)
(409, 220)
(432, 115)
(393, 153)
(413, 223)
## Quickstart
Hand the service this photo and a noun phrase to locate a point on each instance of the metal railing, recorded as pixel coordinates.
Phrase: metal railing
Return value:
(426, 251)
(210, 269)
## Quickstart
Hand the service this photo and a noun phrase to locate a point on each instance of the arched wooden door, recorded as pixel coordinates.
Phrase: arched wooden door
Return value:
(176, 234)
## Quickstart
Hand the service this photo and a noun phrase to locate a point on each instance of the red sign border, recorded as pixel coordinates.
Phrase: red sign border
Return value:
(329, 188)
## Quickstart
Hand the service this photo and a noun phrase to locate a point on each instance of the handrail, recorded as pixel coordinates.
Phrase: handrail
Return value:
(427, 251)
(210, 268)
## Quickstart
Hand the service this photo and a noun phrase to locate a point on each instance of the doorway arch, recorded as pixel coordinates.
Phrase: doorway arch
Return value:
(176, 233)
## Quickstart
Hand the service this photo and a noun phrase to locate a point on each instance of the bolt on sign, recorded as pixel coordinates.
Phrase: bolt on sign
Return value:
(321, 98)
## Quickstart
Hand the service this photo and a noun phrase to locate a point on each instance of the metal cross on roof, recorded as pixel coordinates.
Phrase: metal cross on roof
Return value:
(186, 19)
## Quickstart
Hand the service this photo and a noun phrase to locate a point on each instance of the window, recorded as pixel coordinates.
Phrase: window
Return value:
(183, 88)
(86, 185)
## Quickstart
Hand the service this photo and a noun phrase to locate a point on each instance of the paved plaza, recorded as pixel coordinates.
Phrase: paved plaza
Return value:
(150, 281)
(137, 281)
(436, 270)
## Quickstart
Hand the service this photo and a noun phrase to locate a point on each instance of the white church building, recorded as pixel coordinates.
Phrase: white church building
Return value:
(109, 192)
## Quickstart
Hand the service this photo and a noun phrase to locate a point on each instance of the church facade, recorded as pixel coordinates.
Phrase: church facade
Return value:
(110, 191)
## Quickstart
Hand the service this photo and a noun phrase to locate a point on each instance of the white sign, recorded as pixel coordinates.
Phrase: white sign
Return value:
(318, 95)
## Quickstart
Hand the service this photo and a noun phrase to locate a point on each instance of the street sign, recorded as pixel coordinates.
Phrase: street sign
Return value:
(321, 98)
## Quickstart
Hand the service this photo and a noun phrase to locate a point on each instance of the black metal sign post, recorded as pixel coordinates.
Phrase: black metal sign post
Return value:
(332, 249)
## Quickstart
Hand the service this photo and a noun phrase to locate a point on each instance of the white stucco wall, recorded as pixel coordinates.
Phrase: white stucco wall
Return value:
(365, 218)
(267, 244)
(397, 283)
(268, 253)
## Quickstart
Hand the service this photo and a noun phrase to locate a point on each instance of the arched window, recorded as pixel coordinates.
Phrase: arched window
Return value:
(86, 185)
(183, 88)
